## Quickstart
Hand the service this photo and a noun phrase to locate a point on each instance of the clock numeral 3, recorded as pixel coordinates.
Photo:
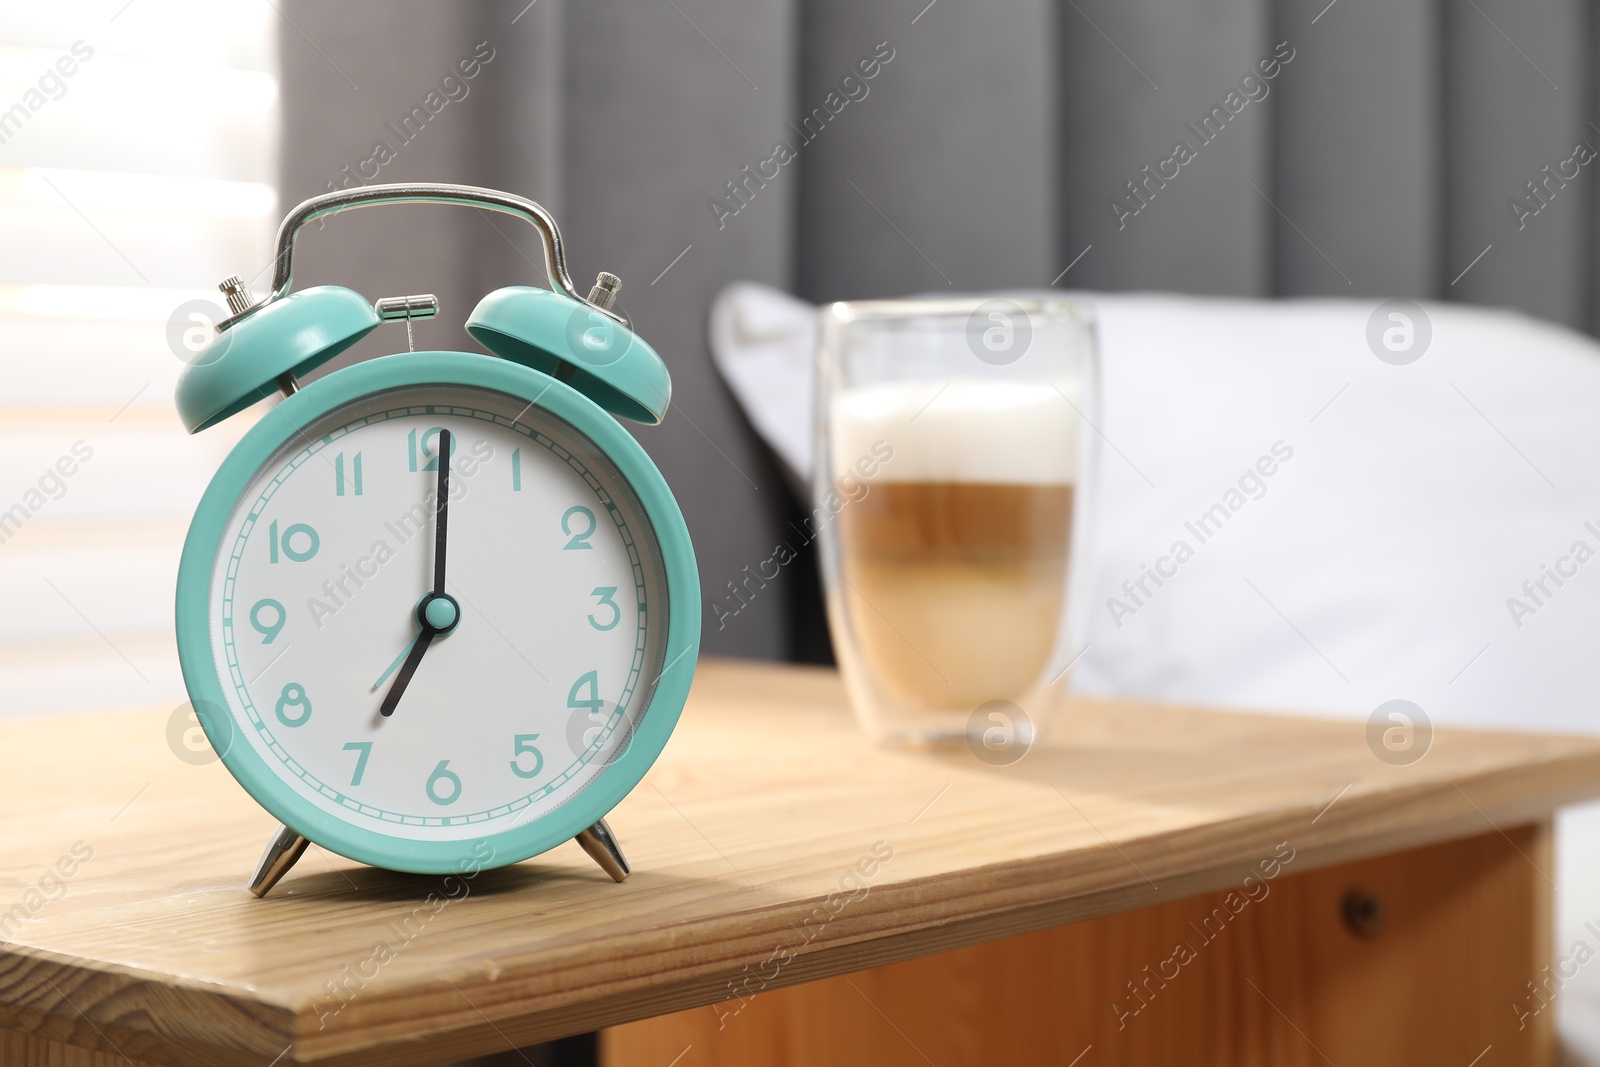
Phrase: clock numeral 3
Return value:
(605, 593)
(583, 515)
(524, 743)
(443, 773)
(308, 545)
(269, 630)
(355, 475)
(427, 448)
(365, 750)
(293, 696)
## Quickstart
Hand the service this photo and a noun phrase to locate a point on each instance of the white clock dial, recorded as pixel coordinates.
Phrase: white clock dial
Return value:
(562, 603)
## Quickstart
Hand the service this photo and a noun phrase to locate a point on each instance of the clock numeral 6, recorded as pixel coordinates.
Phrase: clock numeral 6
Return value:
(293, 696)
(583, 515)
(524, 743)
(270, 630)
(427, 448)
(443, 773)
(309, 542)
(605, 593)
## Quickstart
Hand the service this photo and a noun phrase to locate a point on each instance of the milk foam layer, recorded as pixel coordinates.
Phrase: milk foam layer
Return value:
(975, 430)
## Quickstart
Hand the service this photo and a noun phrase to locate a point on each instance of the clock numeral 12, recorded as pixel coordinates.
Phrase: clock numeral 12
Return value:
(431, 454)
(338, 474)
(516, 470)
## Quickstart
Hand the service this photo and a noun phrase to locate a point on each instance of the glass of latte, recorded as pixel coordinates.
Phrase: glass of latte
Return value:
(949, 501)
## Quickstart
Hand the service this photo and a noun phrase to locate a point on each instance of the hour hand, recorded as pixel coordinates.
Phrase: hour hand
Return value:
(407, 669)
(393, 666)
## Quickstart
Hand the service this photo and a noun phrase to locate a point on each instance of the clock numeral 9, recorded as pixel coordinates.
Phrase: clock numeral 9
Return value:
(524, 743)
(605, 593)
(429, 448)
(443, 773)
(583, 515)
(293, 696)
(310, 542)
(270, 630)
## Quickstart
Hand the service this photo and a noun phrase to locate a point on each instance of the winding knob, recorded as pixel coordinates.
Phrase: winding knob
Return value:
(237, 294)
(604, 293)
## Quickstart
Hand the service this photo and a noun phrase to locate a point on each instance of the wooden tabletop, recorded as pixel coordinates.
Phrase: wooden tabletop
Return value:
(770, 846)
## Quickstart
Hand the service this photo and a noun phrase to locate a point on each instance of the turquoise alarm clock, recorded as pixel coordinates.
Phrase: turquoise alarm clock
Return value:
(437, 611)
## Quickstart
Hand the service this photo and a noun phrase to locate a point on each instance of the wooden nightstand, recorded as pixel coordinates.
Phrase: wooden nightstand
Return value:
(1333, 907)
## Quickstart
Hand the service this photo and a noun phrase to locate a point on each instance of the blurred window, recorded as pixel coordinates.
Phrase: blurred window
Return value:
(138, 147)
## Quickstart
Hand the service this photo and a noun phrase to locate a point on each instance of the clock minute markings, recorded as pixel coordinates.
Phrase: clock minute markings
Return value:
(437, 612)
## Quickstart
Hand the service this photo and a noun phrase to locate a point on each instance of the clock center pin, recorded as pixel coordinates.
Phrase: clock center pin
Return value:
(439, 612)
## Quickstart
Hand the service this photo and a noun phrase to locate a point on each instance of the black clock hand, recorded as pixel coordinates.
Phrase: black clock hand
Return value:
(407, 669)
(441, 513)
(437, 613)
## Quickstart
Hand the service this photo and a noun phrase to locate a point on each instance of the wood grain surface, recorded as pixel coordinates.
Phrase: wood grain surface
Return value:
(1281, 981)
(768, 838)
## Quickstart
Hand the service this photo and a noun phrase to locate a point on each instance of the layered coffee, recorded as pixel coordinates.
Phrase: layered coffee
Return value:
(953, 566)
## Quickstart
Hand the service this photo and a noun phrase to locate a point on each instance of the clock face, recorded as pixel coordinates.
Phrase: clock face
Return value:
(555, 583)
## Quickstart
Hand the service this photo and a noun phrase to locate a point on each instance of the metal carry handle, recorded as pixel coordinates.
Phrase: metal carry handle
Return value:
(555, 259)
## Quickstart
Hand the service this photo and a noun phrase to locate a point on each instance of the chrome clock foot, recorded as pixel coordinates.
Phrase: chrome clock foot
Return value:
(285, 847)
(601, 845)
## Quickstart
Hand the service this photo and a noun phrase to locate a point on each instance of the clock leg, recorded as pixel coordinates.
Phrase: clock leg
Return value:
(601, 845)
(285, 847)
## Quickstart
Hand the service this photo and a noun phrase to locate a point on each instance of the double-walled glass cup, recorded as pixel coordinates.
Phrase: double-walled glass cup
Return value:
(954, 442)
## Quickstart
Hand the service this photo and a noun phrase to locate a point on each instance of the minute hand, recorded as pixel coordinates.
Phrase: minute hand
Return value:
(441, 528)
(441, 513)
